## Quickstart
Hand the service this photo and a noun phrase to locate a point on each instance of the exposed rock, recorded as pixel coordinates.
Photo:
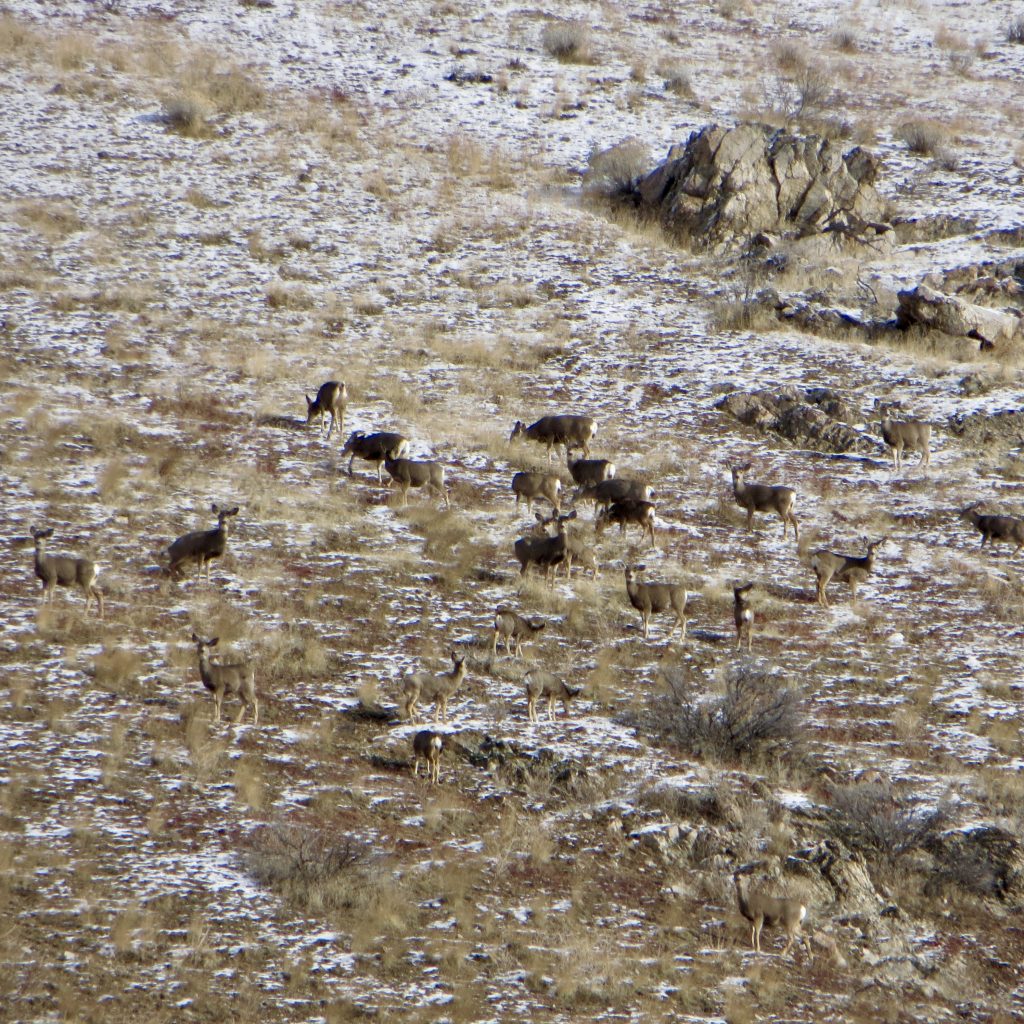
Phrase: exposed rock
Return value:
(932, 228)
(986, 429)
(986, 860)
(725, 183)
(955, 316)
(815, 418)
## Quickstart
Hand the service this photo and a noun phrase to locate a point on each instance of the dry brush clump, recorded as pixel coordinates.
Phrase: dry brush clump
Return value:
(568, 42)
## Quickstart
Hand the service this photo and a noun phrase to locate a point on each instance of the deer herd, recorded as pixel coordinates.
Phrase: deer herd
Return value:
(554, 542)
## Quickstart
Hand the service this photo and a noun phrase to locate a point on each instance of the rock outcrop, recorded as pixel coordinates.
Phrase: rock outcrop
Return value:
(953, 315)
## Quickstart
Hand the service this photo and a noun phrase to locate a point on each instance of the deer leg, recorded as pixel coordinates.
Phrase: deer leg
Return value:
(218, 699)
(551, 707)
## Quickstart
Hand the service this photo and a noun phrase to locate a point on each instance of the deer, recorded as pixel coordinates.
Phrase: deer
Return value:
(605, 493)
(331, 400)
(570, 431)
(427, 746)
(652, 598)
(764, 498)
(513, 628)
(911, 435)
(64, 571)
(828, 566)
(993, 528)
(542, 685)
(408, 473)
(375, 448)
(629, 510)
(237, 678)
(578, 550)
(770, 911)
(202, 545)
(528, 486)
(585, 472)
(743, 615)
(545, 551)
(438, 689)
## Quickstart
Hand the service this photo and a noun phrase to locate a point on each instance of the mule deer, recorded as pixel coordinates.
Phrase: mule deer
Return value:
(375, 448)
(585, 472)
(439, 689)
(64, 571)
(202, 545)
(236, 677)
(331, 400)
(513, 628)
(652, 598)
(629, 510)
(545, 552)
(828, 566)
(543, 685)
(771, 911)
(605, 493)
(571, 431)
(527, 486)
(743, 615)
(408, 473)
(577, 550)
(912, 435)
(993, 528)
(427, 746)
(764, 498)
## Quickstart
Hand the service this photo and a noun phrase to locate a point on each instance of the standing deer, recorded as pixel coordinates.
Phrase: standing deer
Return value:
(571, 431)
(544, 686)
(577, 550)
(828, 566)
(652, 598)
(331, 400)
(770, 911)
(513, 628)
(743, 615)
(408, 473)
(605, 493)
(993, 528)
(202, 545)
(427, 746)
(545, 552)
(629, 510)
(428, 687)
(237, 678)
(912, 435)
(64, 571)
(764, 498)
(586, 472)
(375, 448)
(527, 486)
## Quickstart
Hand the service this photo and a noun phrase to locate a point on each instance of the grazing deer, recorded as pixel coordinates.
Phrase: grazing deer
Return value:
(770, 911)
(764, 498)
(828, 566)
(993, 528)
(439, 689)
(375, 448)
(912, 435)
(605, 493)
(237, 678)
(331, 400)
(743, 615)
(577, 550)
(543, 685)
(651, 598)
(64, 571)
(629, 510)
(545, 552)
(527, 486)
(585, 472)
(513, 628)
(202, 545)
(427, 746)
(408, 473)
(571, 431)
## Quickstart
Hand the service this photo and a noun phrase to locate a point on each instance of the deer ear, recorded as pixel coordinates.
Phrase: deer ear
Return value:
(195, 639)
(214, 508)
(215, 641)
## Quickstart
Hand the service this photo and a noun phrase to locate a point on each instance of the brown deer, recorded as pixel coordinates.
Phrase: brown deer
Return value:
(764, 498)
(571, 431)
(828, 566)
(375, 448)
(427, 746)
(545, 552)
(770, 911)
(585, 472)
(408, 473)
(652, 598)
(202, 545)
(64, 571)
(528, 486)
(578, 551)
(237, 678)
(993, 528)
(743, 615)
(513, 628)
(544, 686)
(912, 435)
(605, 493)
(629, 510)
(331, 400)
(428, 687)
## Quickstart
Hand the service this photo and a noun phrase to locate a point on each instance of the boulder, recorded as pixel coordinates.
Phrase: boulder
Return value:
(956, 316)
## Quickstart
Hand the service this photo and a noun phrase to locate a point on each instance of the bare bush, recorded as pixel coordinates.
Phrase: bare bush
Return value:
(568, 41)
(186, 115)
(806, 92)
(614, 172)
(925, 138)
(1015, 31)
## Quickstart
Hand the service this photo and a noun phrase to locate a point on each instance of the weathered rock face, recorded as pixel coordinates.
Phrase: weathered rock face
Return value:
(953, 315)
(984, 430)
(815, 418)
(725, 183)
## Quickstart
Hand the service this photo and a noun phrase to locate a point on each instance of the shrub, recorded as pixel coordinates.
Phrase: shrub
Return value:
(925, 138)
(845, 39)
(186, 115)
(1015, 32)
(614, 172)
(568, 41)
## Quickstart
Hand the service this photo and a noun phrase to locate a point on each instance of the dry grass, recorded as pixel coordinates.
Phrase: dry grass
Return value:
(568, 42)
(923, 137)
